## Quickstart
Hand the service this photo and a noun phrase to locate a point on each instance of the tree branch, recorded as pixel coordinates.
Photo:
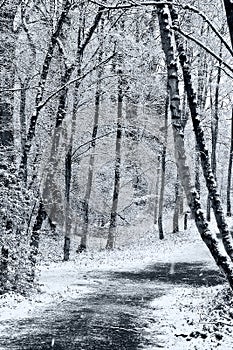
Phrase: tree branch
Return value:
(43, 103)
(155, 3)
(199, 43)
(88, 142)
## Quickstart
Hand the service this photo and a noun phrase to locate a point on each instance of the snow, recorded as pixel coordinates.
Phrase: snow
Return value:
(179, 311)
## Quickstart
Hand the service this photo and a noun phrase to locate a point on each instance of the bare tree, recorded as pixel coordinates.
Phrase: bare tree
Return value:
(86, 201)
(193, 200)
(229, 173)
(163, 166)
(113, 218)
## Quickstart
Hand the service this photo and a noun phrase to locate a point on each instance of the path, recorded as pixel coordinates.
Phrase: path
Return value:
(116, 314)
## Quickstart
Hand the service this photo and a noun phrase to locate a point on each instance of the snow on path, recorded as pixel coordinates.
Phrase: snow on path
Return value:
(148, 283)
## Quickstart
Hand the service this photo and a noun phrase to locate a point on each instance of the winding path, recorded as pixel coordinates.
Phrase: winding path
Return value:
(114, 316)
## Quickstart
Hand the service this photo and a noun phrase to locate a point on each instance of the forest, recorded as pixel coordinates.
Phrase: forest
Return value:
(116, 127)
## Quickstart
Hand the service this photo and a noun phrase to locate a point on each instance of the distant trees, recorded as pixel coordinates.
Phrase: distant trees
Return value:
(85, 131)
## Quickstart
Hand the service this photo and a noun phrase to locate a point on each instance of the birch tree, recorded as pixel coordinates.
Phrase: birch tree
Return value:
(167, 38)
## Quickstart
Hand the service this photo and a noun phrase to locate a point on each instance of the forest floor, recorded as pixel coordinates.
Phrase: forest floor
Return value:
(151, 295)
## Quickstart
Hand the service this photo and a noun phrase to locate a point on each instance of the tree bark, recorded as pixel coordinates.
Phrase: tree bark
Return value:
(229, 173)
(83, 242)
(41, 86)
(113, 218)
(82, 43)
(163, 170)
(229, 13)
(35, 239)
(177, 206)
(157, 191)
(7, 151)
(210, 240)
(204, 155)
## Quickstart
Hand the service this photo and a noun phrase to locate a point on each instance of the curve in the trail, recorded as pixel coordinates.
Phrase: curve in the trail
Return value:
(109, 318)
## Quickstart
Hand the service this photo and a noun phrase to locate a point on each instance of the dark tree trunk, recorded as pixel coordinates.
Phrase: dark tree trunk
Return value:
(68, 175)
(68, 171)
(113, 218)
(35, 239)
(41, 87)
(229, 12)
(167, 37)
(4, 269)
(204, 155)
(229, 174)
(83, 242)
(177, 206)
(163, 168)
(157, 190)
(7, 152)
(185, 221)
(214, 131)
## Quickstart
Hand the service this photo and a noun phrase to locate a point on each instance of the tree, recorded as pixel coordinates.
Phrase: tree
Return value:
(191, 193)
(15, 199)
(229, 14)
(163, 172)
(229, 173)
(83, 243)
(113, 218)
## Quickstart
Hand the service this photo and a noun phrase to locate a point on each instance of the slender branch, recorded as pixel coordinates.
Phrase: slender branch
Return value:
(88, 142)
(44, 74)
(209, 22)
(131, 5)
(91, 30)
(20, 89)
(184, 7)
(104, 135)
(198, 42)
(42, 104)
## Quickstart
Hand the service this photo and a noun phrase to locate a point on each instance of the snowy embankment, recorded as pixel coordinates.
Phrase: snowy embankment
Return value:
(183, 311)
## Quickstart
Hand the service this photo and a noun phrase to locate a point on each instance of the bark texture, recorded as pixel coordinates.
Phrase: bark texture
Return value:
(229, 173)
(204, 154)
(83, 242)
(210, 240)
(113, 218)
(229, 12)
(163, 170)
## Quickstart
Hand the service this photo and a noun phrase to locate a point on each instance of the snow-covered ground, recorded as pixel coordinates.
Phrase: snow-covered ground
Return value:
(182, 313)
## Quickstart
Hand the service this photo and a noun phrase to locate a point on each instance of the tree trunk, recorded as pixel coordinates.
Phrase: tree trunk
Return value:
(68, 171)
(42, 86)
(35, 238)
(185, 221)
(163, 166)
(7, 151)
(210, 240)
(4, 269)
(214, 130)
(113, 218)
(51, 203)
(177, 206)
(68, 175)
(157, 191)
(83, 242)
(229, 12)
(204, 155)
(229, 174)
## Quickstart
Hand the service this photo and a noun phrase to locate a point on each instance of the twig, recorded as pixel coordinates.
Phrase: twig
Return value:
(42, 104)
(196, 41)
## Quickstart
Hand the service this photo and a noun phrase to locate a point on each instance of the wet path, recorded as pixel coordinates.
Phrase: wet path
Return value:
(112, 317)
